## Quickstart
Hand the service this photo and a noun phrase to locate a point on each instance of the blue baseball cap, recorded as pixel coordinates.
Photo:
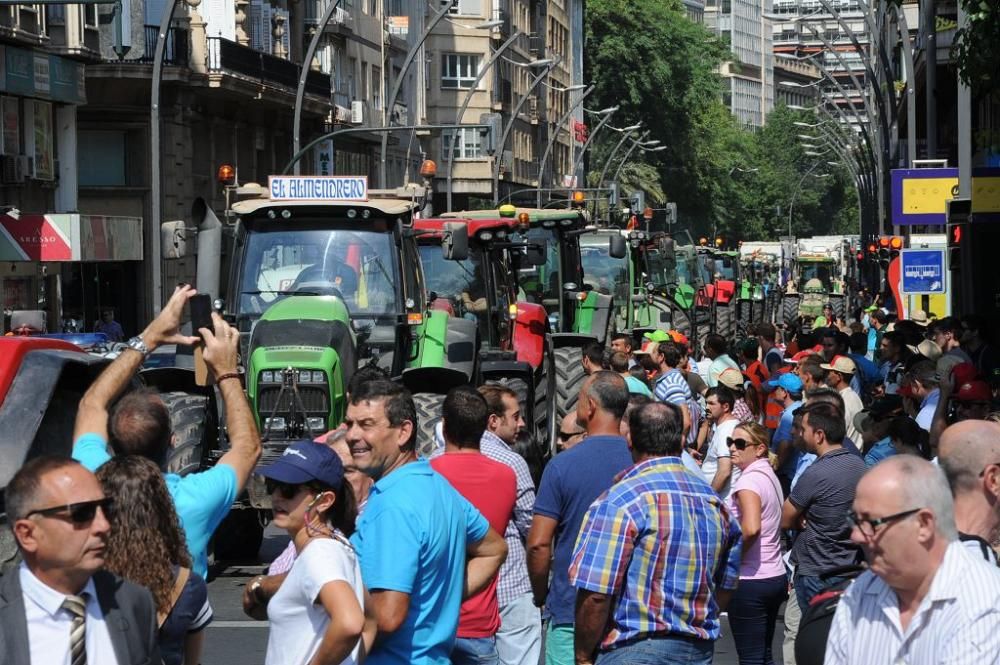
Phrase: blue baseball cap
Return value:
(789, 381)
(305, 461)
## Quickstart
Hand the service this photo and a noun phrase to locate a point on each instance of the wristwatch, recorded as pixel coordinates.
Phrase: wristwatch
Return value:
(136, 344)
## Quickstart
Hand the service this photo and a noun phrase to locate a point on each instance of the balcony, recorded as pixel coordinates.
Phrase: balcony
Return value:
(176, 51)
(74, 31)
(230, 57)
(24, 23)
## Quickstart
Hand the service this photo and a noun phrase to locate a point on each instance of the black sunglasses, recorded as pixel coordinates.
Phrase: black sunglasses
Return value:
(286, 490)
(566, 436)
(740, 444)
(78, 513)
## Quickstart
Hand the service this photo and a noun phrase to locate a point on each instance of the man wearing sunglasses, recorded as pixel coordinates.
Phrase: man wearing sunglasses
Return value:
(58, 606)
(139, 424)
(925, 599)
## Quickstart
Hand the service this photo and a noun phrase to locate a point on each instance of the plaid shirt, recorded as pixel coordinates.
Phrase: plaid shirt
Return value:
(513, 581)
(660, 542)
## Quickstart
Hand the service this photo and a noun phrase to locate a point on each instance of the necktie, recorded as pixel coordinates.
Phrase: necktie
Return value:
(77, 606)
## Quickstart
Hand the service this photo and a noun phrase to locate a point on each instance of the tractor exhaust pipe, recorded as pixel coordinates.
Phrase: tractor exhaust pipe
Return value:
(209, 247)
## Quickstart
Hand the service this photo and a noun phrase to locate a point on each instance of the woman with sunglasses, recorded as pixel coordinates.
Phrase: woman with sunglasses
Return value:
(316, 615)
(756, 501)
(146, 546)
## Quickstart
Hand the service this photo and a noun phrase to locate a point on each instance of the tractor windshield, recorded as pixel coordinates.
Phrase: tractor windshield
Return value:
(300, 259)
(601, 272)
(815, 271)
(450, 279)
(725, 266)
(541, 283)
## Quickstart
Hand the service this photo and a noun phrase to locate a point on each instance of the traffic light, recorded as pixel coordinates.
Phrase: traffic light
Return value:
(888, 249)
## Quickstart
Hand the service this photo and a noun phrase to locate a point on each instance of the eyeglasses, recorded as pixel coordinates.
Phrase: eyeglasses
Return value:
(739, 444)
(286, 490)
(868, 527)
(566, 436)
(80, 513)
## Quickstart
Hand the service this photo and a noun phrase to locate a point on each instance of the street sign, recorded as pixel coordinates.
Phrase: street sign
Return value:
(923, 271)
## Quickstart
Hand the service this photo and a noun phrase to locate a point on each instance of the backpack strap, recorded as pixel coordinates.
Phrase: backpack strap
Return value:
(182, 577)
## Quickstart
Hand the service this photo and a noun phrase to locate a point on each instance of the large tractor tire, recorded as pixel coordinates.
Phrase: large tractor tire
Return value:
(789, 309)
(428, 407)
(192, 424)
(744, 309)
(757, 311)
(682, 323)
(725, 320)
(839, 303)
(569, 377)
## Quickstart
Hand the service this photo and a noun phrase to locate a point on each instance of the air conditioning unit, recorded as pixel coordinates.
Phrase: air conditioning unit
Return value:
(26, 166)
(357, 112)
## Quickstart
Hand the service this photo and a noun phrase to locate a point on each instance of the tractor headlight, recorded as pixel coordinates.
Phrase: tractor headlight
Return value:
(549, 224)
(318, 376)
(275, 424)
(267, 377)
(486, 236)
(316, 424)
(305, 376)
(567, 222)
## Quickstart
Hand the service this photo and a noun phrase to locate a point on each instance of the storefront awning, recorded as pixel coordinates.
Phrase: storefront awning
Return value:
(69, 237)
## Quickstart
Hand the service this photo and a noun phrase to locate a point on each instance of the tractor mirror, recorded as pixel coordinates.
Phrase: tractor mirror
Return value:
(455, 245)
(535, 253)
(616, 246)
(667, 249)
(173, 239)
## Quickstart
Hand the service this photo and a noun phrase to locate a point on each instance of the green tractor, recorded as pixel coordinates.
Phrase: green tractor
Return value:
(652, 286)
(813, 285)
(317, 289)
(576, 312)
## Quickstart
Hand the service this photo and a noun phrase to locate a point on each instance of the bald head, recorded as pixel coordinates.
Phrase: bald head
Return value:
(965, 449)
(905, 482)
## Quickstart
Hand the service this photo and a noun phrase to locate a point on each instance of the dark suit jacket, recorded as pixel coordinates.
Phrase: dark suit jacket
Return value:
(128, 612)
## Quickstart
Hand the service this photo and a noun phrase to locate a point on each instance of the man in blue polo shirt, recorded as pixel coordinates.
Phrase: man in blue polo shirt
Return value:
(571, 482)
(139, 424)
(421, 545)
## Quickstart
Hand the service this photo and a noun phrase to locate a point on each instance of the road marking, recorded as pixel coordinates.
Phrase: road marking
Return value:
(239, 624)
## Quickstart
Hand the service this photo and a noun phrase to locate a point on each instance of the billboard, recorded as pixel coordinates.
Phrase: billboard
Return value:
(919, 195)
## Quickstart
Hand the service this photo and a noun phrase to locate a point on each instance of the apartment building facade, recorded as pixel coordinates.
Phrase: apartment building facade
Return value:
(749, 78)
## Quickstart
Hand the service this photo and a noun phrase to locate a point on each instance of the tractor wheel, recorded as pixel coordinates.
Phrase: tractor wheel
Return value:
(192, 424)
(725, 322)
(569, 376)
(757, 311)
(682, 323)
(744, 309)
(545, 411)
(789, 309)
(839, 303)
(428, 416)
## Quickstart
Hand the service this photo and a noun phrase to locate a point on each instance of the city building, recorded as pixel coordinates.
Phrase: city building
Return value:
(749, 76)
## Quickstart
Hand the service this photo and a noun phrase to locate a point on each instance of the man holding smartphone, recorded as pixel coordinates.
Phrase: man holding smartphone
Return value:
(139, 424)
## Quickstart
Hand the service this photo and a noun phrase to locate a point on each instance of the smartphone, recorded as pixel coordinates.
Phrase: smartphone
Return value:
(201, 313)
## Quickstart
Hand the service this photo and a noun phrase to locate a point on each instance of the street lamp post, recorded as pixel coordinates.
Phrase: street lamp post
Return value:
(548, 148)
(626, 132)
(498, 156)
(300, 91)
(398, 83)
(465, 105)
(628, 153)
(798, 188)
(607, 113)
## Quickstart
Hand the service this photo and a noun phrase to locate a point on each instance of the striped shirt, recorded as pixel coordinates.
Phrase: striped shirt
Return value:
(957, 623)
(671, 386)
(513, 581)
(660, 542)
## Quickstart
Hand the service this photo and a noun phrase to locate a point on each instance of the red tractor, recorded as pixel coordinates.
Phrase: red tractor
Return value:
(484, 288)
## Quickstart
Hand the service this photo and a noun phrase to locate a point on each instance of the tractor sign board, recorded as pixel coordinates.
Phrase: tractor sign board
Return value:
(923, 271)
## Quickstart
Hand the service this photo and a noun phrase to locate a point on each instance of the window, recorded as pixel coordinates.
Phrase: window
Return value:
(458, 70)
(464, 7)
(466, 144)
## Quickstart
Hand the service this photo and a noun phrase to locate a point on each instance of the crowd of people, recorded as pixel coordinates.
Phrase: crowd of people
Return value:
(847, 474)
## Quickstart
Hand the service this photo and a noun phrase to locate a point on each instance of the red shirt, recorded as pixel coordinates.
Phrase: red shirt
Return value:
(492, 488)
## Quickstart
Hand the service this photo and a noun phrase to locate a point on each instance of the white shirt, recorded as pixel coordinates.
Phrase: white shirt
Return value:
(49, 624)
(957, 623)
(298, 619)
(718, 447)
(925, 417)
(852, 407)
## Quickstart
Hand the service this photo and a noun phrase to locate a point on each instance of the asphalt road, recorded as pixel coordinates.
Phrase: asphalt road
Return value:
(235, 639)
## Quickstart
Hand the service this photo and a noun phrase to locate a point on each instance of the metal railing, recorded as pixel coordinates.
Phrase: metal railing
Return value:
(177, 51)
(228, 56)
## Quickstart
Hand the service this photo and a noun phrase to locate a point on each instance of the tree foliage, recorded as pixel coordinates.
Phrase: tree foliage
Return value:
(661, 69)
(977, 46)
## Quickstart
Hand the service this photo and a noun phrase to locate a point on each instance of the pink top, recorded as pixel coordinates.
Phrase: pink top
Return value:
(763, 560)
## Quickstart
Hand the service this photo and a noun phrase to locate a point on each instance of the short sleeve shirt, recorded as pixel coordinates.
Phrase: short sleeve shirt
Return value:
(492, 488)
(570, 483)
(412, 538)
(671, 386)
(784, 433)
(298, 621)
(717, 448)
(202, 499)
(825, 493)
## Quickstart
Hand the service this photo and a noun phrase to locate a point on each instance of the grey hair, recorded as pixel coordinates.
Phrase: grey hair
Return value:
(924, 485)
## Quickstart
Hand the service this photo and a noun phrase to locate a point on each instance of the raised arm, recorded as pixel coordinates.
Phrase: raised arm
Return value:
(92, 414)
(221, 353)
